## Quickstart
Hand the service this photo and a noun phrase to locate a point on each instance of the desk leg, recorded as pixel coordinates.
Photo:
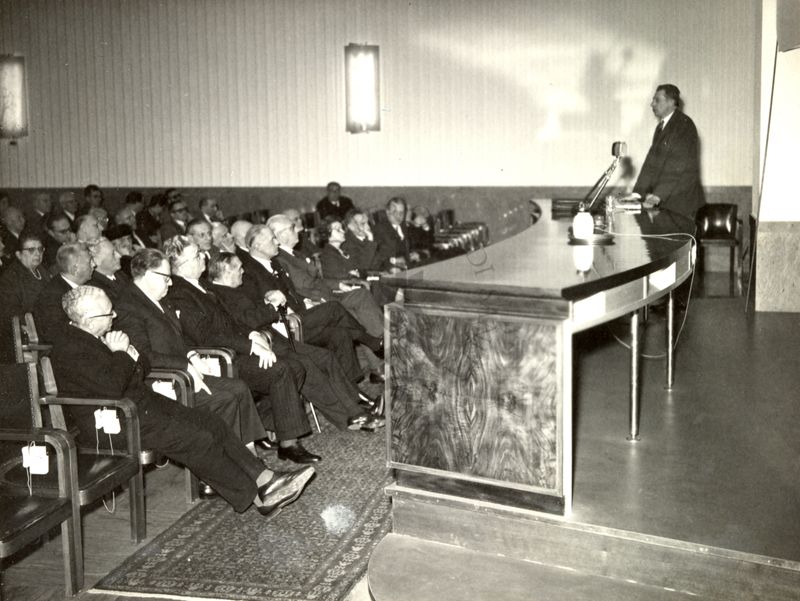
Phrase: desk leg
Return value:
(670, 340)
(634, 401)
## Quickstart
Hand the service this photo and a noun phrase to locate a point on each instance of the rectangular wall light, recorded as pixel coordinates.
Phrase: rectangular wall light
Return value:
(13, 98)
(362, 88)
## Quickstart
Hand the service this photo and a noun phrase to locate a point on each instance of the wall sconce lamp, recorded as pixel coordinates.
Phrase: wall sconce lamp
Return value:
(362, 88)
(13, 98)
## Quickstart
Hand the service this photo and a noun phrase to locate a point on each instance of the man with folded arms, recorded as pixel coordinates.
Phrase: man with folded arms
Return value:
(90, 360)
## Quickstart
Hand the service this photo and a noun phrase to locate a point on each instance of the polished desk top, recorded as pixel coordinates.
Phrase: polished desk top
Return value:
(540, 263)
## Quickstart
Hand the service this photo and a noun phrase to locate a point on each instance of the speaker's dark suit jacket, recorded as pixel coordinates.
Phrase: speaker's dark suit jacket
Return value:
(327, 386)
(85, 367)
(158, 336)
(328, 325)
(671, 169)
(363, 253)
(207, 322)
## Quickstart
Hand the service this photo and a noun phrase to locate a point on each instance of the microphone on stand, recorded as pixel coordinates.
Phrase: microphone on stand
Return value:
(583, 223)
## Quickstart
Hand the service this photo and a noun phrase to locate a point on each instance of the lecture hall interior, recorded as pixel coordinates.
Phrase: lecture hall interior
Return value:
(627, 426)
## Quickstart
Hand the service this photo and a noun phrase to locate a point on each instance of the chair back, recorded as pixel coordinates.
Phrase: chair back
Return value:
(717, 220)
(18, 394)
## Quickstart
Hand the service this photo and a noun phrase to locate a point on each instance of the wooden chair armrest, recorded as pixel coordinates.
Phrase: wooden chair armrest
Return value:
(180, 378)
(224, 354)
(66, 454)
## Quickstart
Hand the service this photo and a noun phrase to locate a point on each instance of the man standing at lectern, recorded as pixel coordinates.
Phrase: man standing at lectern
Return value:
(670, 175)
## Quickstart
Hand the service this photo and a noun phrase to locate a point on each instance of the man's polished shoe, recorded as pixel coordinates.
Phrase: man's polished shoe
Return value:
(265, 444)
(376, 377)
(282, 489)
(206, 491)
(367, 422)
(297, 453)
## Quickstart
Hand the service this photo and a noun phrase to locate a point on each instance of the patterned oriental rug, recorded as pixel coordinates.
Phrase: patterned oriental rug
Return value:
(317, 548)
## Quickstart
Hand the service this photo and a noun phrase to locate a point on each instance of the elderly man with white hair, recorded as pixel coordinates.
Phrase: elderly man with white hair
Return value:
(308, 281)
(90, 359)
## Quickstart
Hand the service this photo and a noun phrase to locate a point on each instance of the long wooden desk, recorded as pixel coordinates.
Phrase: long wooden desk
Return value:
(479, 353)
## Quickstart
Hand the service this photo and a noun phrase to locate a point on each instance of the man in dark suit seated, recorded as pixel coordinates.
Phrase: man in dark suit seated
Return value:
(392, 235)
(90, 360)
(108, 274)
(154, 328)
(326, 385)
(75, 267)
(13, 223)
(59, 232)
(206, 322)
(326, 324)
(334, 204)
(359, 242)
(309, 283)
(42, 206)
(178, 218)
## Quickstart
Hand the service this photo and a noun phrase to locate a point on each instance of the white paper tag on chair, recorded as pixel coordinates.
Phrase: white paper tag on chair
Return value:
(164, 388)
(281, 329)
(211, 367)
(34, 458)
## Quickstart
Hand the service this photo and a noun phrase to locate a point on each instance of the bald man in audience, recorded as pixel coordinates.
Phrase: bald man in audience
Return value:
(75, 266)
(306, 245)
(92, 360)
(127, 216)
(221, 237)
(239, 231)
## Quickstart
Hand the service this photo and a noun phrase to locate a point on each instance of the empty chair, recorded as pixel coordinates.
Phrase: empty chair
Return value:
(717, 225)
(30, 515)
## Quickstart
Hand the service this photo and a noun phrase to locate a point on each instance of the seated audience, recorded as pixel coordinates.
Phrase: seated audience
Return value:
(327, 324)
(74, 269)
(307, 246)
(87, 229)
(58, 233)
(121, 237)
(239, 231)
(91, 360)
(154, 328)
(101, 215)
(148, 221)
(13, 221)
(210, 211)
(92, 197)
(326, 384)
(42, 207)
(68, 205)
(176, 220)
(391, 234)
(135, 201)
(334, 204)
(23, 280)
(420, 232)
(199, 230)
(360, 243)
(309, 283)
(127, 216)
(108, 274)
(205, 322)
(221, 238)
(337, 264)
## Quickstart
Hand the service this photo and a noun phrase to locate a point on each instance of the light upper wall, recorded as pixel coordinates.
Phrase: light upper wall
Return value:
(475, 93)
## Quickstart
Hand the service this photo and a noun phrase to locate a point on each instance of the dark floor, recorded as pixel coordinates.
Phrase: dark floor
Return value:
(719, 458)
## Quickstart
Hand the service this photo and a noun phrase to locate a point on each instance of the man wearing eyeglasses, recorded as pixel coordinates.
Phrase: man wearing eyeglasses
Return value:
(178, 218)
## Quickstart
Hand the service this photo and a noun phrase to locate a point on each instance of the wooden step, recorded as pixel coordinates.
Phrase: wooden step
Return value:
(519, 539)
(403, 568)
